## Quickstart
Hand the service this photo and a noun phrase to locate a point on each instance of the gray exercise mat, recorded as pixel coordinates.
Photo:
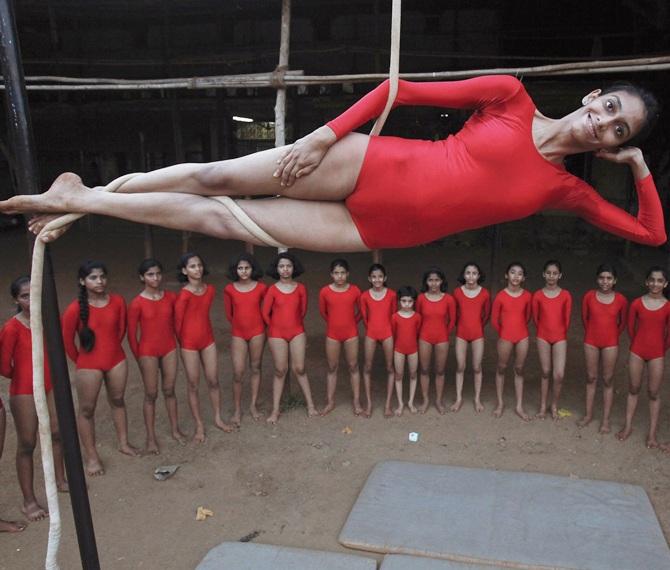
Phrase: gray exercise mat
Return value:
(250, 556)
(404, 562)
(516, 520)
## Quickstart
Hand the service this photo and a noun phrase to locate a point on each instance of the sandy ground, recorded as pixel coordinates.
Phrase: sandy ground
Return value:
(295, 483)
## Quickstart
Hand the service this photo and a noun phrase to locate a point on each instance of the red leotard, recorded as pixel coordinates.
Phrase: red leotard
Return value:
(510, 315)
(338, 308)
(284, 313)
(648, 330)
(410, 192)
(377, 314)
(472, 314)
(243, 310)
(603, 322)
(191, 317)
(552, 315)
(437, 318)
(16, 358)
(156, 323)
(109, 325)
(406, 332)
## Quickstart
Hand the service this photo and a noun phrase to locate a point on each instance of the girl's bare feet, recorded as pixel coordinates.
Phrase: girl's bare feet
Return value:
(479, 407)
(199, 436)
(128, 449)
(456, 406)
(272, 418)
(368, 411)
(255, 414)
(542, 414)
(498, 412)
(605, 427)
(179, 437)
(63, 487)
(522, 414)
(554, 413)
(665, 447)
(652, 443)
(312, 412)
(223, 426)
(439, 406)
(423, 408)
(329, 408)
(236, 419)
(151, 448)
(34, 512)
(586, 420)
(11, 526)
(412, 408)
(388, 413)
(624, 434)
(398, 410)
(94, 467)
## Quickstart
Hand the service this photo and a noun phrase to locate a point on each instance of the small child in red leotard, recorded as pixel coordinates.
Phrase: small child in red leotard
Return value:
(438, 317)
(473, 308)
(551, 307)
(196, 337)
(649, 331)
(509, 317)
(16, 364)
(284, 310)
(604, 315)
(98, 319)
(377, 307)
(405, 324)
(151, 314)
(243, 301)
(339, 307)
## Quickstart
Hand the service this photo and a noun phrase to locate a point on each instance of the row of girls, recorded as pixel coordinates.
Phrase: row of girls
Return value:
(413, 330)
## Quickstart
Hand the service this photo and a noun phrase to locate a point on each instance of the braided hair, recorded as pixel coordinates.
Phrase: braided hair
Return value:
(86, 335)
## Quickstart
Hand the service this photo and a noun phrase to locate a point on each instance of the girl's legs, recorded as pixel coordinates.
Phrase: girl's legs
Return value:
(239, 350)
(7, 526)
(461, 357)
(544, 353)
(279, 352)
(191, 360)
(655, 371)
(412, 367)
(210, 366)
(333, 349)
(369, 346)
(559, 351)
(297, 348)
(351, 358)
(256, 345)
(521, 352)
(168, 366)
(425, 356)
(592, 360)
(441, 353)
(505, 348)
(389, 361)
(89, 383)
(609, 357)
(635, 370)
(399, 366)
(149, 370)
(477, 347)
(115, 384)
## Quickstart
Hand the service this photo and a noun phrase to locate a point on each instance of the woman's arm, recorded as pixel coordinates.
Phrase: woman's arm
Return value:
(70, 322)
(134, 310)
(7, 344)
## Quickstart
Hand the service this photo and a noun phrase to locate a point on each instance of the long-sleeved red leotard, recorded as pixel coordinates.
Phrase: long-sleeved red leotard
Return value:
(284, 313)
(437, 318)
(603, 322)
(109, 325)
(551, 315)
(376, 314)
(510, 315)
(411, 192)
(191, 318)
(155, 319)
(16, 358)
(340, 311)
(649, 330)
(472, 313)
(406, 333)
(243, 310)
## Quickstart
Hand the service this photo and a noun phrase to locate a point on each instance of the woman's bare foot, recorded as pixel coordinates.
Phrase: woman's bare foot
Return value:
(329, 408)
(151, 448)
(439, 406)
(179, 437)
(63, 486)
(498, 412)
(255, 413)
(423, 408)
(456, 406)
(665, 447)
(34, 512)
(12, 526)
(367, 412)
(199, 435)
(652, 443)
(624, 434)
(522, 414)
(479, 407)
(554, 413)
(94, 467)
(128, 449)
(542, 414)
(273, 418)
(586, 420)
(412, 408)
(223, 426)
(236, 418)
(605, 427)
(398, 410)
(388, 413)
(61, 198)
(312, 412)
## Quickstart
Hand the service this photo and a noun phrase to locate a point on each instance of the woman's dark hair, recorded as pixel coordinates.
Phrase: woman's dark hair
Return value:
(297, 266)
(549, 263)
(606, 268)
(15, 288)
(517, 264)
(407, 291)
(651, 106)
(147, 264)
(183, 262)
(433, 269)
(461, 277)
(339, 262)
(86, 335)
(377, 267)
(256, 271)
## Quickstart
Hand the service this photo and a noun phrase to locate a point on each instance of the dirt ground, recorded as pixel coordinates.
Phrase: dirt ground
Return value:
(295, 483)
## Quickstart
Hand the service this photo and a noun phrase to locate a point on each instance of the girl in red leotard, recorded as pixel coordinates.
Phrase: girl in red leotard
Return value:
(649, 331)
(604, 315)
(339, 307)
(284, 310)
(473, 308)
(16, 364)
(510, 314)
(97, 319)
(151, 314)
(551, 307)
(377, 306)
(196, 338)
(406, 324)
(242, 300)
(438, 317)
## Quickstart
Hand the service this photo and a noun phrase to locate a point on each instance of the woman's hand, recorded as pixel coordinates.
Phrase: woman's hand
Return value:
(304, 155)
(630, 155)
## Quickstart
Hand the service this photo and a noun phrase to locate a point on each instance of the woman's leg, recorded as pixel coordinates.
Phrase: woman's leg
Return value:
(369, 348)
(239, 351)
(333, 349)
(389, 360)
(279, 351)
(559, 351)
(57, 446)
(592, 360)
(477, 348)
(441, 353)
(521, 352)
(191, 361)
(168, 365)
(425, 357)
(297, 348)
(655, 371)
(399, 366)
(461, 357)
(149, 370)
(544, 353)
(609, 358)
(351, 358)
(412, 368)
(256, 345)
(210, 366)
(88, 384)
(635, 370)
(115, 383)
(7, 526)
(505, 348)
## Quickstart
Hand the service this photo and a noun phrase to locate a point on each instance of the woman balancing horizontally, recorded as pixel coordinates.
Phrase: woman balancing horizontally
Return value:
(382, 192)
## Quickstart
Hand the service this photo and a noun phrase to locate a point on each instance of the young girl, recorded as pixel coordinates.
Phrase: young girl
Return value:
(196, 338)
(604, 317)
(377, 307)
(473, 307)
(339, 307)
(284, 310)
(405, 324)
(155, 348)
(551, 307)
(509, 317)
(649, 330)
(16, 364)
(242, 300)
(97, 319)
(438, 317)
